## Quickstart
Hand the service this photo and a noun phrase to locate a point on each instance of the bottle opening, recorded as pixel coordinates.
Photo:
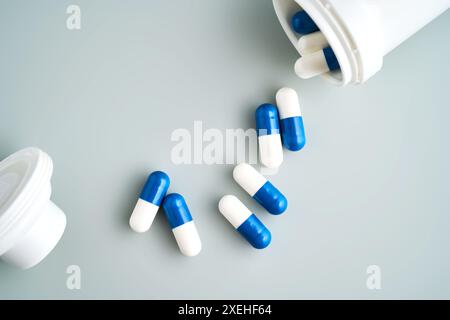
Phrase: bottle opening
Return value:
(322, 15)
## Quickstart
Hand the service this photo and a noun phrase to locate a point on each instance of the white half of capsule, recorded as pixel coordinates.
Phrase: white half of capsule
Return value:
(287, 103)
(234, 210)
(248, 178)
(188, 239)
(311, 65)
(312, 42)
(143, 215)
(270, 150)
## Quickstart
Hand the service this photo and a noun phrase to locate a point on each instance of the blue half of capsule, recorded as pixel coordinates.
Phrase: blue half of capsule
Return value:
(331, 59)
(155, 188)
(271, 198)
(254, 231)
(176, 210)
(267, 121)
(303, 24)
(293, 133)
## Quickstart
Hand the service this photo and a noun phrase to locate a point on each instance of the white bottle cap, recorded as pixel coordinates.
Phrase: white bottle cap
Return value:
(30, 224)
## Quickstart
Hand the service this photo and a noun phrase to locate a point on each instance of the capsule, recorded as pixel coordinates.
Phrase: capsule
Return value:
(312, 42)
(260, 189)
(149, 201)
(316, 63)
(291, 121)
(245, 222)
(183, 227)
(302, 23)
(269, 139)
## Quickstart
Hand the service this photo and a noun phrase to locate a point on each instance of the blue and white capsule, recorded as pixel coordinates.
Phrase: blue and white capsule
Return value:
(291, 120)
(311, 43)
(149, 201)
(316, 63)
(269, 139)
(183, 227)
(245, 222)
(260, 189)
(302, 23)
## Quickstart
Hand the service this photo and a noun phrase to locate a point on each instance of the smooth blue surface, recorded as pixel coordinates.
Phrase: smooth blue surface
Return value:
(303, 24)
(267, 121)
(255, 232)
(271, 199)
(176, 210)
(331, 59)
(155, 188)
(293, 133)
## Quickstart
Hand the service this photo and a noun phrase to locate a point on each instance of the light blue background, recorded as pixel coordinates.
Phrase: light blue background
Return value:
(370, 187)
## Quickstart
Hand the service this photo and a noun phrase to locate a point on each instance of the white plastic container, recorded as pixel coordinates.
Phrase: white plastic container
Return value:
(361, 32)
(30, 224)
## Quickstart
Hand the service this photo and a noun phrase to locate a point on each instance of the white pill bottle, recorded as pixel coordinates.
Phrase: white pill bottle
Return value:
(361, 32)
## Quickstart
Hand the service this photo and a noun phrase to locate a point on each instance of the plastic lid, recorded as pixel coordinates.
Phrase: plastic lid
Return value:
(24, 185)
